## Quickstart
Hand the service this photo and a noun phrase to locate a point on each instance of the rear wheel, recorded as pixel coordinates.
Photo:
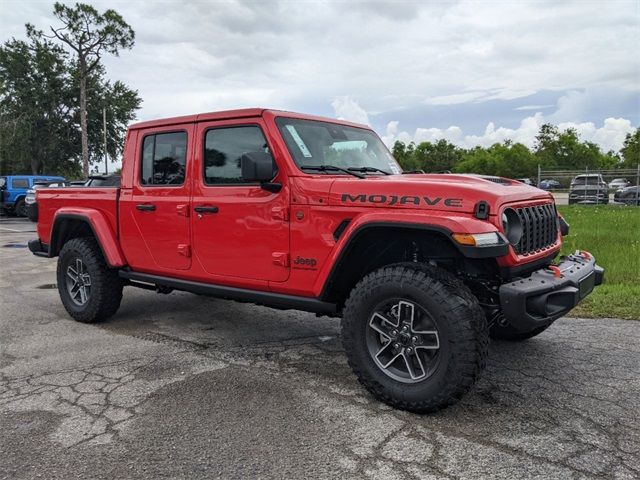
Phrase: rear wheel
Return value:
(90, 291)
(21, 208)
(415, 336)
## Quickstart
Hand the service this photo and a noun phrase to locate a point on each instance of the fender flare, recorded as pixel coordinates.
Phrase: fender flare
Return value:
(102, 231)
(429, 225)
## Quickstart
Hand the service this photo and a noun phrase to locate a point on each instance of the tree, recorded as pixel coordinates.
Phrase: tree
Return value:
(36, 121)
(39, 109)
(89, 35)
(564, 149)
(436, 157)
(630, 150)
(120, 103)
(510, 160)
(430, 157)
(405, 155)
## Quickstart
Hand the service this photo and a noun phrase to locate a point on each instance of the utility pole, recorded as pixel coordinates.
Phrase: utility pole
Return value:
(104, 137)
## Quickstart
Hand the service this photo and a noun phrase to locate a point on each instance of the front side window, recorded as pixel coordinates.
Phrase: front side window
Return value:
(223, 150)
(317, 144)
(164, 158)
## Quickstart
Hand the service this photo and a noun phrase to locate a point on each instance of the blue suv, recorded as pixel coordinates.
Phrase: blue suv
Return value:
(13, 189)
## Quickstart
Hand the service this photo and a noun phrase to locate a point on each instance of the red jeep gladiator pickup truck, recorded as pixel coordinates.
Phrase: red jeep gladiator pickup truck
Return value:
(300, 212)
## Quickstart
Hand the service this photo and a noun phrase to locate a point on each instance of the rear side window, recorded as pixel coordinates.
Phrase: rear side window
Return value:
(20, 183)
(164, 158)
(223, 149)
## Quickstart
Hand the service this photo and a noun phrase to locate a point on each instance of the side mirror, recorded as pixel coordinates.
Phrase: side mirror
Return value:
(257, 167)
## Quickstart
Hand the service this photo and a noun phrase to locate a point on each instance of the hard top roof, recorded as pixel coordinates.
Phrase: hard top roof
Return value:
(234, 114)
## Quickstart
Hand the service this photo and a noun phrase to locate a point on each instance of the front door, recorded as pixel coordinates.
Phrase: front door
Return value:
(240, 230)
(155, 211)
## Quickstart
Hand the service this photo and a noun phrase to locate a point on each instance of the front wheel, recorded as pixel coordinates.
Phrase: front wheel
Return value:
(90, 291)
(415, 336)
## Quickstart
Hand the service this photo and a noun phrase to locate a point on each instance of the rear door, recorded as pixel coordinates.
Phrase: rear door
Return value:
(240, 230)
(154, 208)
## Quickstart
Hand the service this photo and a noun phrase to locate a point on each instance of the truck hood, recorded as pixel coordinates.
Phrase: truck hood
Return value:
(444, 192)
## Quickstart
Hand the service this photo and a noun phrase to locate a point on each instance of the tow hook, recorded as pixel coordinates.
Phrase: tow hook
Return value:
(556, 271)
(585, 255)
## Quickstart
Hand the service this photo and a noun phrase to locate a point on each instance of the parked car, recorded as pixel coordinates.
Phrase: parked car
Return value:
(14, 190)
(549, 184)
(30, 199)
(629, 195)
(295, 211)
(619, 183)
(589, 189)
(103, 181)
(525, 180)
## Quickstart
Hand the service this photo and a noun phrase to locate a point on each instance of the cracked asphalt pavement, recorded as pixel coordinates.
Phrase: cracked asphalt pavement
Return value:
(185, 386)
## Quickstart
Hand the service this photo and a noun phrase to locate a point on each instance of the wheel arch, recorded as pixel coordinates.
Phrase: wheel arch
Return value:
(68, 225)
(377, 244)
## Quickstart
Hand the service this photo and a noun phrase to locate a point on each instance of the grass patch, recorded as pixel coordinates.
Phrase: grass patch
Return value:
(612, 234)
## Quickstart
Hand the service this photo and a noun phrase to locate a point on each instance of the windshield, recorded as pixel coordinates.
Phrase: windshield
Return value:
(315, 144)
(587, 180)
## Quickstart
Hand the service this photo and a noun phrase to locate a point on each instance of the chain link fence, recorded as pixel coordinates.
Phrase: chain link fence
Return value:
(593, 185)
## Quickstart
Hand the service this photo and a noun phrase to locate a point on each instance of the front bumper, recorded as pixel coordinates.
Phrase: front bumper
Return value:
(549, 293)
(589, 199)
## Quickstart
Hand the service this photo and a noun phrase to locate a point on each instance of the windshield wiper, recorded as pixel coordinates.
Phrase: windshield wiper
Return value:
(331, 168)
(368, 169)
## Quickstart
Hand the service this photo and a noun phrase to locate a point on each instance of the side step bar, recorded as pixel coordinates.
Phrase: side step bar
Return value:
(268, 299)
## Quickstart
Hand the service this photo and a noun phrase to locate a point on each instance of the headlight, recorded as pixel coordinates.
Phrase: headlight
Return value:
(512, 226)
(478, 239)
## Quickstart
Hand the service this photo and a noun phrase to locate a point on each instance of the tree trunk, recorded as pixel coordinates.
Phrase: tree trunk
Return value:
(83, 122)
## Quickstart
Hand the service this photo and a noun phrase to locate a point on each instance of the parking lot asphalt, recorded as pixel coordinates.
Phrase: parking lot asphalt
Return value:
(185, 386)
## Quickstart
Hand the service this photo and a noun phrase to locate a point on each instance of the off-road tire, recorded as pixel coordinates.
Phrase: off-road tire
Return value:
(32, 212)
(106, 286)
(508, 333)
(20, 208)
(462, 327)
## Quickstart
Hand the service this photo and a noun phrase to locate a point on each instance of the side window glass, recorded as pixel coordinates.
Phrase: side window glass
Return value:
(164, 158)
(20, 183)
(223, 149)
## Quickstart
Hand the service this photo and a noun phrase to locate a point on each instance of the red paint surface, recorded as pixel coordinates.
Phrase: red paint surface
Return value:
(256, 235)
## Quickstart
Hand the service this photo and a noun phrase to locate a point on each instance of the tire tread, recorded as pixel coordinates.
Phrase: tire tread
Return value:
(467, 320)
(106, 285)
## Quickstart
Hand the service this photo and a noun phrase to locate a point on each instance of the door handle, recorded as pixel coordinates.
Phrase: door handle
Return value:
(206, 209)
(146, 207)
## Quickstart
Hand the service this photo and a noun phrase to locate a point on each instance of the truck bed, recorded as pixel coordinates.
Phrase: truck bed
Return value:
(74, 199)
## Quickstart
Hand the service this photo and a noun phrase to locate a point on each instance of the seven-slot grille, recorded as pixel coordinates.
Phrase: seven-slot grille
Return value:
(539, 228)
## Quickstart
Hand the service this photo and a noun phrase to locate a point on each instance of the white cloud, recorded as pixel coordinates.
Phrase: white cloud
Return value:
(389, 55)
(454, 98)
(610, 136)
(535, 107)
(346, 108)
(318, 57)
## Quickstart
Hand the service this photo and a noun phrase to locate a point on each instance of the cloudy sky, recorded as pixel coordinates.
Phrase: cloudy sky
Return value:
(472, 72)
